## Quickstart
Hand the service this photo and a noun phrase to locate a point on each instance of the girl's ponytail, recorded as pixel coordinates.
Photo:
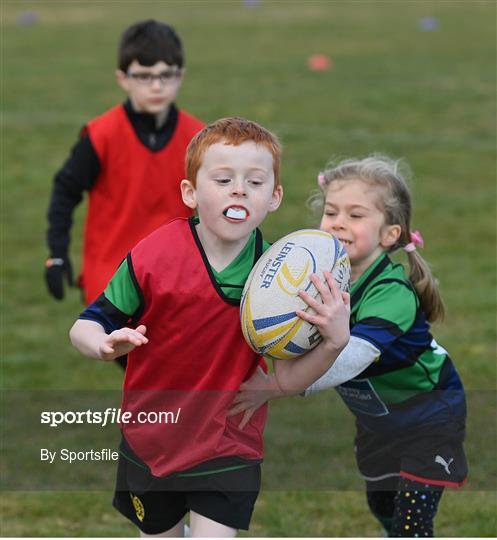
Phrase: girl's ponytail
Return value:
(426, 286)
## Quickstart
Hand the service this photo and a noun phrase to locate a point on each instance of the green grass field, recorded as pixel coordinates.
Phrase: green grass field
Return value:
(427, 96)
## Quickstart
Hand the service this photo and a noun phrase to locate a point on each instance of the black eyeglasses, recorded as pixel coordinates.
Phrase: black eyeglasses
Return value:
(147, 79)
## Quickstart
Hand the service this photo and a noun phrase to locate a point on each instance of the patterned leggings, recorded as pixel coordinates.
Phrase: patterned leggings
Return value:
(409, 511)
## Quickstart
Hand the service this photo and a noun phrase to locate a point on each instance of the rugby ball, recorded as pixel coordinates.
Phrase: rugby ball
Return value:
(269, 301)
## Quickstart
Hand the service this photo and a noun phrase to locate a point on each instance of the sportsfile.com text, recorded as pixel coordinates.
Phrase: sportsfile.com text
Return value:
(111, 415)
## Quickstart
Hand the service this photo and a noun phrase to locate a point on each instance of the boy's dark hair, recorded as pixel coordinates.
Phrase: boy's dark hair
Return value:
(149, 42)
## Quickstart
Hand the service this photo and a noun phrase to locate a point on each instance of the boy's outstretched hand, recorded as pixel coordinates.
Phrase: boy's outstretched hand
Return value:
(122, 341)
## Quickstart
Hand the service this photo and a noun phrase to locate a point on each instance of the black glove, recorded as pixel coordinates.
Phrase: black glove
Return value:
(56, 269)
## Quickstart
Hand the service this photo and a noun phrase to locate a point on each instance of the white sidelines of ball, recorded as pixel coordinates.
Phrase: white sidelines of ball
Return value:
(270, 298)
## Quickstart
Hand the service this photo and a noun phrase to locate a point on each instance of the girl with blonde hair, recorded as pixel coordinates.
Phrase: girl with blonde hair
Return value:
(401, 386)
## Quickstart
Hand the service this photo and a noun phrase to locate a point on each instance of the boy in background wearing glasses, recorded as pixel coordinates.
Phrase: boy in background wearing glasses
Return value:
(130, 160)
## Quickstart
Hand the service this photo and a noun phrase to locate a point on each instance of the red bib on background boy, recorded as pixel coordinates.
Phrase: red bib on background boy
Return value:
(194, 362)
(137, 190)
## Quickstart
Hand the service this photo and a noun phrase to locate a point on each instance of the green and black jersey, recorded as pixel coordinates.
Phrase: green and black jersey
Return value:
(404, 386)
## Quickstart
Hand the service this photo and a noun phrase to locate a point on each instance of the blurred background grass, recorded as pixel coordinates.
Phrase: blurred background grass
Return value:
(428, 96)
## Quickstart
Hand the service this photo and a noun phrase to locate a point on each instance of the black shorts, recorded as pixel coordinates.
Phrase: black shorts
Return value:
(155, 505)
(431, 455)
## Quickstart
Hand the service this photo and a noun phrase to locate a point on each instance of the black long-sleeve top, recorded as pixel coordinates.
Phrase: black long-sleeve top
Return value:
(80, 172)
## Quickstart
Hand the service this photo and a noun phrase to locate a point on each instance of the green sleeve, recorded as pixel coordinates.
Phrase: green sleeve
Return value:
(394, 302)
(121, 290)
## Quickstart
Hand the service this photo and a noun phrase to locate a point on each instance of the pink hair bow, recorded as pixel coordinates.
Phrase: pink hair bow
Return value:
(416, 240)
(321, 180)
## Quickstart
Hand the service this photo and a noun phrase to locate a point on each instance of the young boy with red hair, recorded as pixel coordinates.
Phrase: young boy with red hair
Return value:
(173, 307)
